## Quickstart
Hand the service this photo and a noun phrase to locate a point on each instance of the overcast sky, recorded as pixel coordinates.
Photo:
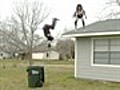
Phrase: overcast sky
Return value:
(63, 9)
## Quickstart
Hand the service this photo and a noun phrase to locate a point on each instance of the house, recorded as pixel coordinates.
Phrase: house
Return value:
(37, 55)
(97, 51)
(51, 55)
(5, 55)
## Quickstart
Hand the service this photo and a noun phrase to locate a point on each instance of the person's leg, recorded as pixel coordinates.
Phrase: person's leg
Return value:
(76, 21)
(54, 23)
(49, 44)
(83, 23)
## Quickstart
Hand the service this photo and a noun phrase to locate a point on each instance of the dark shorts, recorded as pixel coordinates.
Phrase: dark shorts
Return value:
(79, 16)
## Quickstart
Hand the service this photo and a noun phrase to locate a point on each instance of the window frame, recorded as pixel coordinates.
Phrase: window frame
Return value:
(92, 53)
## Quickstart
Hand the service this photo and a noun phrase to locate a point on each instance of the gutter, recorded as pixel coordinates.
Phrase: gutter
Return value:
(88, 34)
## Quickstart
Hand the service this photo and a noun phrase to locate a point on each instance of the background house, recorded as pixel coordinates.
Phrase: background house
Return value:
(5, 55)
(51, 55)
(97, 51)
(38, 55)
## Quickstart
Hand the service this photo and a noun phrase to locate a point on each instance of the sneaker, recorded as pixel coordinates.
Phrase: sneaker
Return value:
(56, 19)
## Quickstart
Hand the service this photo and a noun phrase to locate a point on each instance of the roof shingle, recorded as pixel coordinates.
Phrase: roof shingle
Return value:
(111, 25)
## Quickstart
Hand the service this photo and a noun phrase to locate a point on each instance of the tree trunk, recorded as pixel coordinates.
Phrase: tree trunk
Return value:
(30, 59)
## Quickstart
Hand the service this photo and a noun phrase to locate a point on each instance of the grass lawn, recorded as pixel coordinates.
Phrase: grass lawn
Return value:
(58, 76)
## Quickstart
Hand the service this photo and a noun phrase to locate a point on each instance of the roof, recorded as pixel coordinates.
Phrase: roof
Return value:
(106, 27)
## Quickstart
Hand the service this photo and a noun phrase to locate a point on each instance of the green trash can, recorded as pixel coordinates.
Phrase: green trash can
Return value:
(35, 76)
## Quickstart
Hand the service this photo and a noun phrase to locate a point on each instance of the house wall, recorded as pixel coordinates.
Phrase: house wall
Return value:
(52, 55)
(84, 68)
(4, 55)
(37, 55)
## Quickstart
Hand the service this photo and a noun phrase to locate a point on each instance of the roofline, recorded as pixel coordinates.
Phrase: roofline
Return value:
(93, 34)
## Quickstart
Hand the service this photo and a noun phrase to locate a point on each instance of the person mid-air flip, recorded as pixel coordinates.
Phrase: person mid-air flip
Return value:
(46, 30)
(79, 13)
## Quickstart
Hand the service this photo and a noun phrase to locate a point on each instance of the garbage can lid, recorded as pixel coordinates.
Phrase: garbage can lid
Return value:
(34, 68)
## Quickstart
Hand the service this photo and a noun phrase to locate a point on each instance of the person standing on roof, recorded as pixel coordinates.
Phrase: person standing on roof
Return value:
(79, 13)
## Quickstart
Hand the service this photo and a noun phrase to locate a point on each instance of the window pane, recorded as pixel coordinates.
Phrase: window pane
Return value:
(115, 44)
(101, 45)
(101, 48)
(101, 42)
(101, 58)
(115, 41)
(115, 48)
(107, 51)
(115, 58)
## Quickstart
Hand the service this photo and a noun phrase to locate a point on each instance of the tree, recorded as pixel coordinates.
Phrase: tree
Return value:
(21, 29)
(65, 48)
(112, 9)
(5, 38)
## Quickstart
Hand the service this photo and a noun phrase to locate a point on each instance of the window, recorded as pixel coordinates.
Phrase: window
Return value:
(106, 51)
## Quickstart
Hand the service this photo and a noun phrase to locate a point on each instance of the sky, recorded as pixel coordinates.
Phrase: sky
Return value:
(62, 9)
(65, 9)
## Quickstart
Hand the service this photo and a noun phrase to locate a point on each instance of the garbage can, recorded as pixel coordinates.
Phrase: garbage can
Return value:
(35, 76)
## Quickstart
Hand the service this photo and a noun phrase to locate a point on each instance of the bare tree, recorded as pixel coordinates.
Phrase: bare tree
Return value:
(25, 21)
(5, 38)
(111, 10)
(65, 48)
(114, 2)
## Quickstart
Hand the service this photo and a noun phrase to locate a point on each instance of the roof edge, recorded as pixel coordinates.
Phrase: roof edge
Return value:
(93, 34)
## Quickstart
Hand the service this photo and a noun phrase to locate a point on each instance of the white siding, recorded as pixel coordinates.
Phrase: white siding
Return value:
(43, 55)
(84, 68)
(37, 55)
(51, 55)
